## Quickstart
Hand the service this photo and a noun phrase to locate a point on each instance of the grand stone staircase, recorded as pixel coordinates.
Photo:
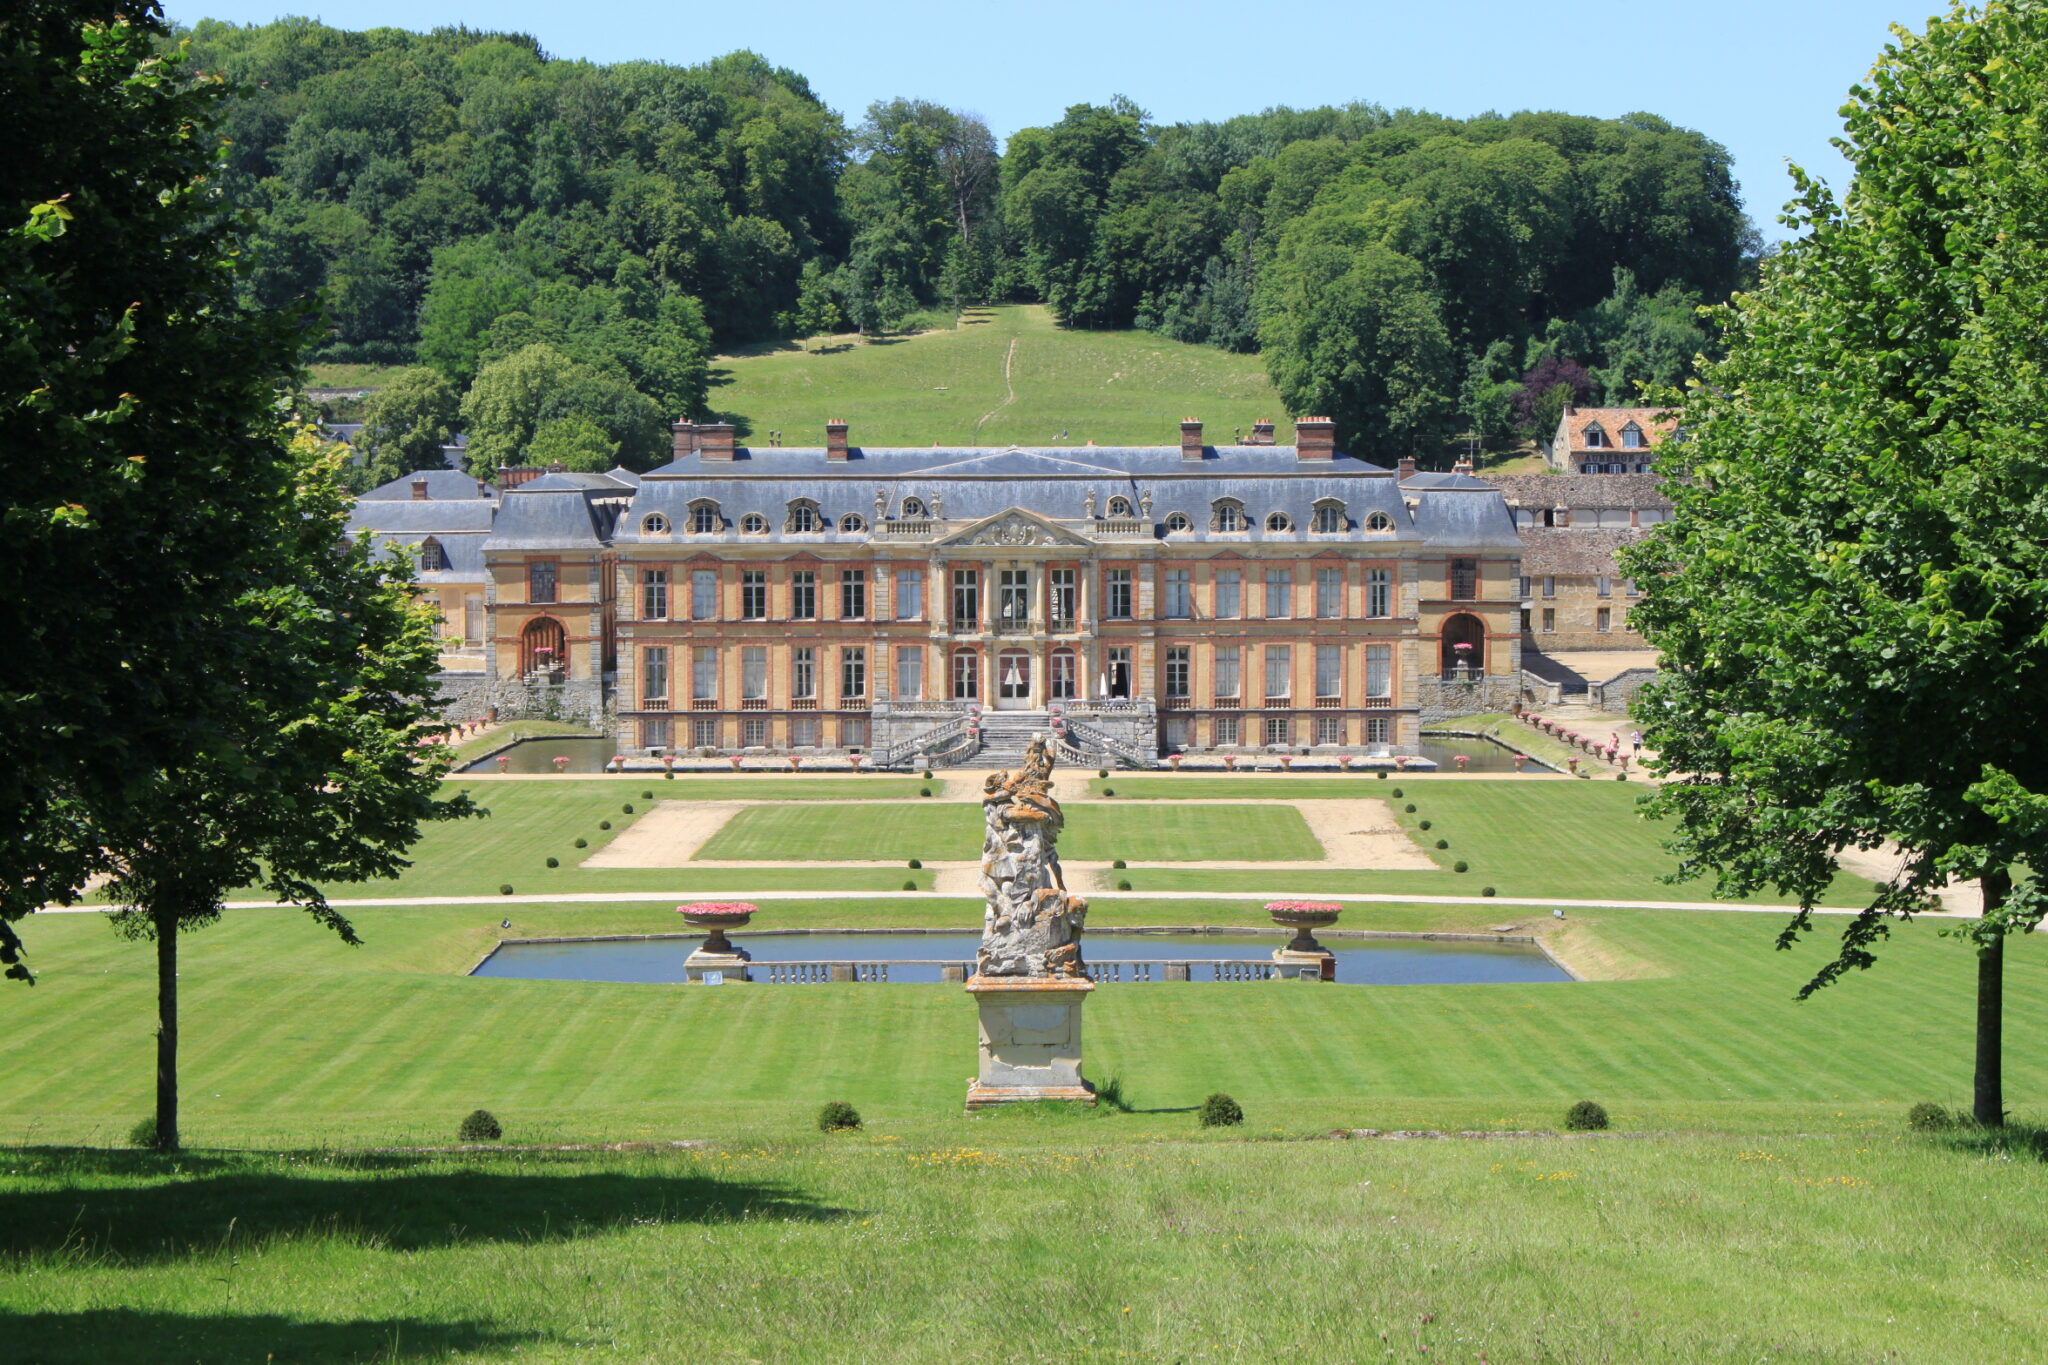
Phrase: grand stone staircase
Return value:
(1005, 734)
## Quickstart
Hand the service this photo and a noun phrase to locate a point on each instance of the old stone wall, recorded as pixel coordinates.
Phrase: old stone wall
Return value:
(1569, 618)
(1443, 700)
(1618, 693)
(470, 696)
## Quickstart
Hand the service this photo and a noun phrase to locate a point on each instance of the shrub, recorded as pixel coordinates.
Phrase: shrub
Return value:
(1443, 843)
(1410, 808)
(927, 774)
(1486, 891)
(924, 791)
(1585, 1117)
(554, 862)
(1422, 824)
(1119, 863)
(1109, 791)
(582, 842)
(1382, 776)
(1924, 1117)
(604, 824)
(1621, 777)
(915, 862)
(480, 1126)
(1123, 884)
(670, 775)
(1219, 1111)
(1461, 866)
(1102, 772)
(143, 1134)
(1110, 1095)
(504, 888)
(910, 884)
(627, 808)
(1395, 793)
(837, 1116)
(647, 796)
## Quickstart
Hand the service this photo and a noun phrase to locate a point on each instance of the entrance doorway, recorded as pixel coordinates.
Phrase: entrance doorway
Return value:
(1119, 679)
(1013, 680)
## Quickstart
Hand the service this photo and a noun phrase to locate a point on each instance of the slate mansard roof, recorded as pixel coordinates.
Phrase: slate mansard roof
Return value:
(460, 526)
(973, 483)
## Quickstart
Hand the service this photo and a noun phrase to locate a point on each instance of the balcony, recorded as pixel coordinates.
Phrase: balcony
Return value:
(853, 703)
(1228, 703)
(1175, 703)
(1280, 703)
(904, 528)
(1379, 703)
(1060, 625)
(1329, 703)
(704, 704)
(753, 704)
(654, 703)
(1122, 528)
(803, 703)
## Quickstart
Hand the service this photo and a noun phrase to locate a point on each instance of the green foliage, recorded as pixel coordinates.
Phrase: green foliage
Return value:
(1443, 843)
(916, 862)
(924, 791)
(1219, 1111)
(1585, 1117)
(627, 808)
(1118, 863)
(582, 842)
(647, 795)
(537, 400)
(504, 888)
(1486, 890)
(1123, 884)
(837, 1117)
(1409, 808)
(409, 418)
(480, 1126)
(1396, 793)
(604, 824)
(554, 861)
(910, 884)
(1924, 1117)
(1461, 866)
(1109, 791)
(1421, 824)
(143, 1134)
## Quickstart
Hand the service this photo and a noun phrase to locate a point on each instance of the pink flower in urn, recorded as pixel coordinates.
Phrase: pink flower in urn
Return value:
(1286, 762)
(716, 917)
(668, 761)
(503, 763)
(562, 763)
(854, 759)
(1344, 762)
(1401, 763)
(733, 759)
(1463, 759)
(1305, 907)
(1174, 761)
(795, 762)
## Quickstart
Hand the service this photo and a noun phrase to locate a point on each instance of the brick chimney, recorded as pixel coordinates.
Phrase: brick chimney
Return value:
(835, 440)
(1190, 439)
(1315, 438)
(419, 490)
(1262, 433)
(1463, 465)
(685, 439)
(714, 440)
(1407, 466)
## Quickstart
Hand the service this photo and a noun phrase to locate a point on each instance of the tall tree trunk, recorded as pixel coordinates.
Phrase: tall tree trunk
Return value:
(1989, 1100)
(166, 917)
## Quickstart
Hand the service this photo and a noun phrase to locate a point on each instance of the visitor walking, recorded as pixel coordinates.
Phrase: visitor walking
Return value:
(1636, 738)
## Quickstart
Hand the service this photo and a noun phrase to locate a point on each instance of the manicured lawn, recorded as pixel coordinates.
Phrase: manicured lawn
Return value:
(954, 831)
(1574, 840)
(1112, 388)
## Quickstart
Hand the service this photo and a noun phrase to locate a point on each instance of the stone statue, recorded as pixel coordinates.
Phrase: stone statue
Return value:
(938, 506)
(1088, 504)
(881, 505)
(1145, 503)
(1032, 926)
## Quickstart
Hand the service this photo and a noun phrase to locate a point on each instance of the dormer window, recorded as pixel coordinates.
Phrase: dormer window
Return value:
(1279, 521)
(1177, 522)
(432, 557)
(1226, 514)
(851, 524)
(1595, 438)
(914, 507)
(704, 518)
(803, 517)
(1379, 522)
(1329, 518)
(1632, 437)
(654, 524)
(754, 524)
(1119, 507)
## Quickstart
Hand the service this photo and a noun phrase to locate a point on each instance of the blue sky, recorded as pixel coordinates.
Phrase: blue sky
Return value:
(1764, 79)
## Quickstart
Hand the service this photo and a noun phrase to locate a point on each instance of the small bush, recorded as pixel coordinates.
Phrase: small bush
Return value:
(927, 774)
(837, 1117)
(627, 808)
(582, 842)
(504, 888)
(1102, 772)
(1486, 891)
(1395, 793)
(1461, 866)
(1381, 775)
(554, 862)
(1110, 1095)
(1422, 824)
(1443, 843)
(1410, 808)
(1119, 863)
(910, 884)
(480, 1126)
(1621, 777)
(647, 796)
(1924, 1117)
(1109, 791)
(924, 791)
(1123, 884)
(1219, 1111)
(604, 824)
(670, 775)
(1585, 1117)
(143, 1134)
(915, 862)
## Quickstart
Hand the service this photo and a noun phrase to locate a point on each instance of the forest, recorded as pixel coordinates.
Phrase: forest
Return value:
(555, 250)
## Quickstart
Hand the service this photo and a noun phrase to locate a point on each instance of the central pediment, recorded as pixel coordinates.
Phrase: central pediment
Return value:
(1015, 528)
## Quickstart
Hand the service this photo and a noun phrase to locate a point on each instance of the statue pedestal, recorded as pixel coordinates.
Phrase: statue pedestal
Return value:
(1030, 1039)
(732, 965)
(1290, 965)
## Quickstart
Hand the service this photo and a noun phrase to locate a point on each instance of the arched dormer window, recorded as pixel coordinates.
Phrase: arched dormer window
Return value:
(1119, 507)
(914, 507)
(754, 524)
(432, 556)
(1177, 522)
(654, 524)
(1226, 514)
(1632, 437)
(852, 524)
(1279, 521)
(1595, 437)
(1379, 523)
(803, 516)
(704, 518)
(1329, 518)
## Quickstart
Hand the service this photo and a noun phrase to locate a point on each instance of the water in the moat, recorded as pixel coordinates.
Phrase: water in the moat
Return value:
(1368, 962)
(1482, 756)
(585, 754)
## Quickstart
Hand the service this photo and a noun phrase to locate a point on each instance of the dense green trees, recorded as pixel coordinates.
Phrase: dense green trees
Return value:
(1852, 600)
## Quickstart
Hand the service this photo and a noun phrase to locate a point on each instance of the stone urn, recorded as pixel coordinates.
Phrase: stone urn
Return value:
(717, 953)
(1303, 957)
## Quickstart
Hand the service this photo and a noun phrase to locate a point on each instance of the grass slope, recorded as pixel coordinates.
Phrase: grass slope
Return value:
(953, 830)
(1113, 388)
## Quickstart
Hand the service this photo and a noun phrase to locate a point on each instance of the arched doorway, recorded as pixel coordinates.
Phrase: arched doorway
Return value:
(1464, 641)
(543, 647)
(1013, 680)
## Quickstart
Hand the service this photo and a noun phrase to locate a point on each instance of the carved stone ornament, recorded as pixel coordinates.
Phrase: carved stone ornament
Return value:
(1088, 504)
(881, 504)
(938, 506)
(1032, 924)
(1013, 531)
(1145, 503)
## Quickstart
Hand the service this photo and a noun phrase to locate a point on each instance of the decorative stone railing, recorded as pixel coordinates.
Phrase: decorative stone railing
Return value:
(1102, 971)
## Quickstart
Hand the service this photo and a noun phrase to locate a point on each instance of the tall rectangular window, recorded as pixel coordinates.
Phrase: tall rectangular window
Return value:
(1226, 730)
(1603, 586)
(542, 579)
(1279, 729)
(654, 734)
(753, 594)
(704, 732)
(803, 732)
(1180, 601)
(1013, 597)
(654, 675)
(853, 732)
(1329, 671)
(1116, 594)
(1227, 684)
(803, 595)
(473, 617)
(1279, 671)
(1229, 594)
(853, 673)
(1549, 619)
(754, 672)
(1550, 585)
(1329, 729)
(910, 673)
(1629, 585)
(1379, 670)
(803, 672)
(1379, 729)
(1603, 618)
(1279, 593)
(1061, 587)
(1329, 593)
(910, 594)
(703, 673)
(754, 733)
(1464, 580)
(1379, 592)
(966, 599)
(703, 594)
(654, 594)
(853, 594)
(1177, 671)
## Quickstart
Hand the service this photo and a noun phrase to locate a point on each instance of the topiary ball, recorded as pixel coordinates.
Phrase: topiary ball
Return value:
(1119, 863)
(1621, 777)
(1422, 824)
(1443, 843)
(1219, 1111)
(1395, 793)
(910, 885)
(1123, 885)
(582, 842)
(1109, 791)
(627, 808)
(837, 1117)
(604, 824)
(915, 862)
(647, 796)
(554, 862)
(1460, 866)
(1585, 1117)
(504, 888)
(1382, 776)
(924, 791)
(1924, 1117)
(480, 1126)
(1410, 808)
(1486, 891)
(670, 776)
(927, 774)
